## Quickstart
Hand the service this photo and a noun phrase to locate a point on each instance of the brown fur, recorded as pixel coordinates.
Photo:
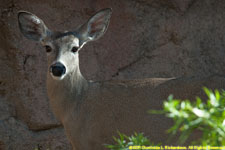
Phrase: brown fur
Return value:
(93, 112)
(107, 107)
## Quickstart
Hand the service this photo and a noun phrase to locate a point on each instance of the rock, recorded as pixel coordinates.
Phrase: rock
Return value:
(146, 38)
(16, 135)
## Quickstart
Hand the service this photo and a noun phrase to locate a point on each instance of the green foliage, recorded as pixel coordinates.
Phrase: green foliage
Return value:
(208, 117)
(123, 142)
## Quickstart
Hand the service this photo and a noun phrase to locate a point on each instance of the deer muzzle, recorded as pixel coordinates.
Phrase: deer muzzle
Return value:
(58, 69)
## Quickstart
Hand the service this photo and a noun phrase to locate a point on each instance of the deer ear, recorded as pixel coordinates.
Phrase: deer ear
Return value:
(31, 26)
(96, 26)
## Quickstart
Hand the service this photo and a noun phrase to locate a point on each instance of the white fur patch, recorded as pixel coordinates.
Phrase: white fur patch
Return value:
(57, 78)
(75, 42)
(36, 20)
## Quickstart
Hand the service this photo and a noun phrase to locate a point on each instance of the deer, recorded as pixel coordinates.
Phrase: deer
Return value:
(92, 112)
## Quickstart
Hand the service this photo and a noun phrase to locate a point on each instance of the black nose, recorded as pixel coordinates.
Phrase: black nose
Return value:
(58, 69)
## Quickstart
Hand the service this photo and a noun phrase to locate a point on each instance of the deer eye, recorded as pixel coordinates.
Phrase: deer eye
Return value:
(74, 49)
(48, 48)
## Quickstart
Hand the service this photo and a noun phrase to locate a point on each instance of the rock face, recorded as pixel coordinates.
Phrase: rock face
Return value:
(146, 38)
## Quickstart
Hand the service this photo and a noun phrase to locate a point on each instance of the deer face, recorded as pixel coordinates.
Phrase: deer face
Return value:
(62, 48)
(62, 54)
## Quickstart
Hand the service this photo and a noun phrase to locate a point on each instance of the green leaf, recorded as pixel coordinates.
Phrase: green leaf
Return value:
(201, 113)
(208, 116)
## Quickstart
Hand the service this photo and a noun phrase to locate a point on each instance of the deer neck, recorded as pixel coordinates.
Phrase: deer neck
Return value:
(66, 95)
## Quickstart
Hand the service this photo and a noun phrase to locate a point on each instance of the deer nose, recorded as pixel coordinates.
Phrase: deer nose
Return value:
(58, 69)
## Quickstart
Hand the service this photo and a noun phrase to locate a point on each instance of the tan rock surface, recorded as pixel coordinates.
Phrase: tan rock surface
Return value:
(146, 38)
